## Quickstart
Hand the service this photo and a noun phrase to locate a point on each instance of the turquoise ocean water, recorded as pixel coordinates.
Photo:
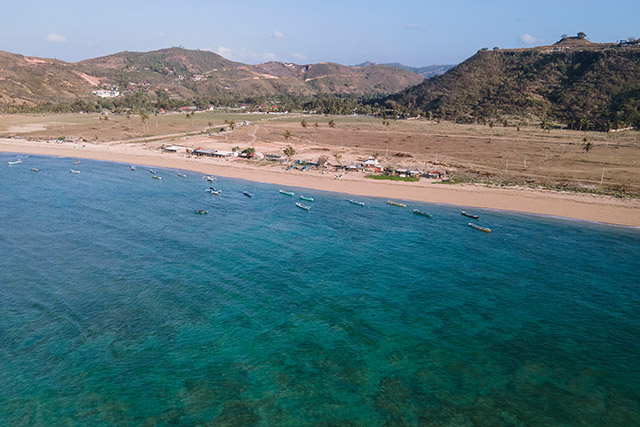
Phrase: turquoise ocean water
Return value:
(120, 305)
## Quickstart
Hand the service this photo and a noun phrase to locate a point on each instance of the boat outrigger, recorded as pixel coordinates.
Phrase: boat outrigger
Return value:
(477, 227)
(469, 215)
(201, 212)
(74, 171)
(286, 193)
(301, 206)
(181, 175)
(308, 199)
(246, 193)
(402, 205)
(419, 212)
(157, 177)
(17, 162)
(355, 202)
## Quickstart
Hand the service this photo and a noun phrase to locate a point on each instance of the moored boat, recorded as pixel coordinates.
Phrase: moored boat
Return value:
(157, 177)
(419, 212)
(402, 205)
(477, 227)
(286, 193)
(355, 202)
(35, 169)
(133, 168)
(74, 171)
(181, 175)
(246, 193)
(301, 206)
(308, 199)
(209, 178)
(201, 212)
(17, 162)
(152, 171)
(469, 215)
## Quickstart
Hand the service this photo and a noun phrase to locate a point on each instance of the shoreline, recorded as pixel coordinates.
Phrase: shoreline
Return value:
(588, 207)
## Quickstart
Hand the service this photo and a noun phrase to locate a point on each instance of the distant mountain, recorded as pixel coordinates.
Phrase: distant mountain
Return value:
(428, 71)
(183, 74)
(572, 80)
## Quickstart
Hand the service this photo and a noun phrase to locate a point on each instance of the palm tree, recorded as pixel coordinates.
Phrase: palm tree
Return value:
(289, 152)
(144, 117)
(332, 124)
(287, 135)
(303, 123)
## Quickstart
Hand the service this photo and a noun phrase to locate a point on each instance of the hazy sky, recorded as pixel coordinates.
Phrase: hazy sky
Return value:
(349, 32)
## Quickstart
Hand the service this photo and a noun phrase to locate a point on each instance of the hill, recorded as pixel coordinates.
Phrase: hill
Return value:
(574, 81)
(427, 72)
(182, 74)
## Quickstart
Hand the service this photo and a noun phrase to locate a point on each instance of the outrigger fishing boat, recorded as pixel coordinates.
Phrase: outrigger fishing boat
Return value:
(301, 206)
(469, 215)
(246, 193)
(201, 212)
(157, 177)
(181, 175)
(308, 199)
(477, 227)
(152, 171)
(213, 191)
(35, 169)
(17, 162)
(419, 212)
(402, 205)
(209, 178)
(355, 202)
(286, 193)
(74, 171)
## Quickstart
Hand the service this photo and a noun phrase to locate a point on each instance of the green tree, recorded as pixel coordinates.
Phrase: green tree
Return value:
(249, 151)
(289, 151)
(303, 123)
(332, 124)
(582, 35)
(287, 135)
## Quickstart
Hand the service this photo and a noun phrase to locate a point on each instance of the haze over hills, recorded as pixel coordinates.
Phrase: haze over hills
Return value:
(585, 84)
(183, 74)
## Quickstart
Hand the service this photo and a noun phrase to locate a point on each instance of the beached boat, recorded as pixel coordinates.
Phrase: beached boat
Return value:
(246, 193)
(419, 212)
(469, 215)
(355, 202)
(477, 227)
(157, 177)
(181, 175)
(301, 206)
(35, 169)
(286, 193)
(209, 178)
(201, 212)
(402, 205)
(308, 199)
(17, 162)
(74, 171)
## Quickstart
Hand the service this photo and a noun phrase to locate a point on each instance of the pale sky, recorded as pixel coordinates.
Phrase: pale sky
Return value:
(411, 32)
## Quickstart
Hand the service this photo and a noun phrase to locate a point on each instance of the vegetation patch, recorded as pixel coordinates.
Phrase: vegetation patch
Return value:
(394, 178)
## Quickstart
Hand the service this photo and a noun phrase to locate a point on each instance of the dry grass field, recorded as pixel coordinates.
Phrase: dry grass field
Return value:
(498, 155)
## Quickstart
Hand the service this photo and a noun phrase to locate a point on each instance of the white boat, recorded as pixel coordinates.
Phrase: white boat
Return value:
(402, 205)
(74, 171)
(286, 193)
(182, 175)
(301, 206)
(152, 171)
(355, 202)
(17, 162)
(159, 178)
(209, 178)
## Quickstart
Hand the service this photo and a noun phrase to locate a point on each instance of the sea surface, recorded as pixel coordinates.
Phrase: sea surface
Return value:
(120, 305)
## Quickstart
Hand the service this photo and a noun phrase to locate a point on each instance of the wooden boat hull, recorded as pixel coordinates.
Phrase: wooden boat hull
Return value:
(477, 227)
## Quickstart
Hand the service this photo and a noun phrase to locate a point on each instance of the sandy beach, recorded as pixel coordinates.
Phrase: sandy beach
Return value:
(597, 208)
